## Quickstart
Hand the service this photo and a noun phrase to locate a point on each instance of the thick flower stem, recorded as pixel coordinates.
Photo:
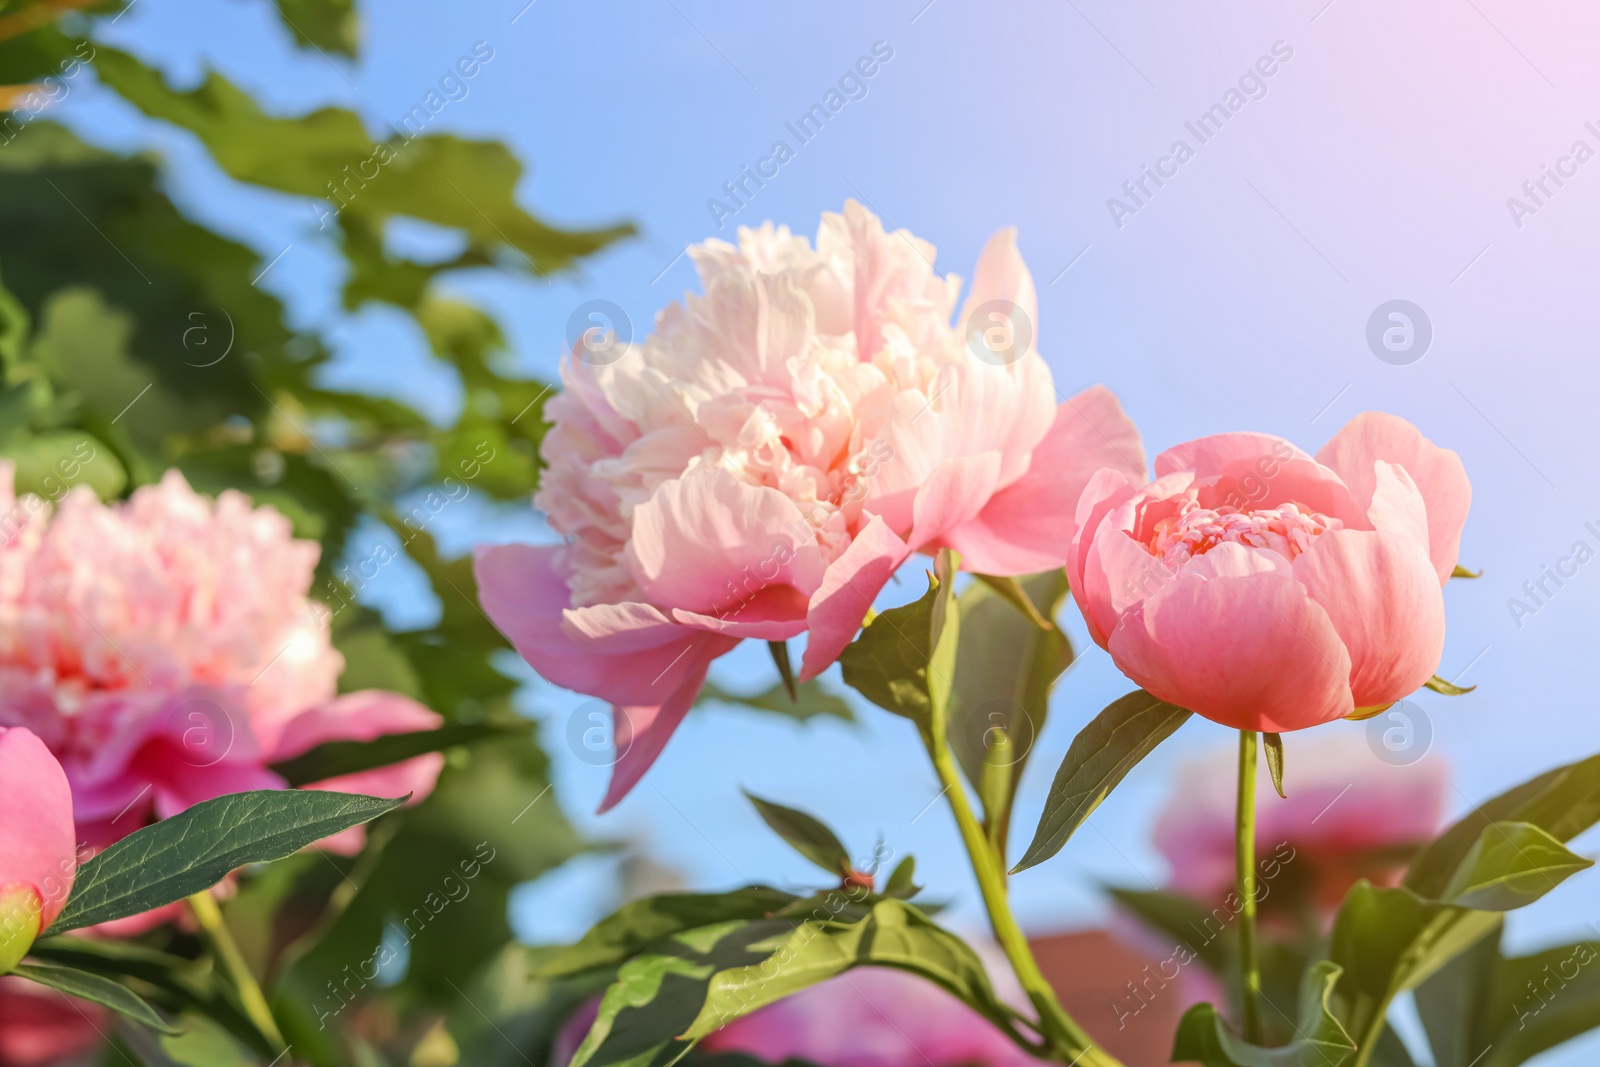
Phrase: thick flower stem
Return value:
(1061, 1032)
(226, 950)
(1244, 870)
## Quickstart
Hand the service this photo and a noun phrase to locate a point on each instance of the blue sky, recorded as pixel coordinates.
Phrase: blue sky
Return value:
(1376, 163)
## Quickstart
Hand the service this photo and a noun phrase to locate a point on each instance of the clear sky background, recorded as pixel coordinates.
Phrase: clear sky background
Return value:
(1376, 165)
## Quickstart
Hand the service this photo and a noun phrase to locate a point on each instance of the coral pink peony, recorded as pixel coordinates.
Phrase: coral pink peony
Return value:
(166, 651)
(762, 463)
(38, 857)
(1349, 815)
(1268, 590)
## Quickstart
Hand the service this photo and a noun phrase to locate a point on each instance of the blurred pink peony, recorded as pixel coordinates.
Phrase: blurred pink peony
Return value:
(1349, 815)
(42, 1028)
(868, 1017)
(38, 855)
(761, 465)
(166, 651)
(1268, 590)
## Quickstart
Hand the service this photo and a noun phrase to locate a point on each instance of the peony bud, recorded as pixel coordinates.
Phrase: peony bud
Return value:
(37, 854)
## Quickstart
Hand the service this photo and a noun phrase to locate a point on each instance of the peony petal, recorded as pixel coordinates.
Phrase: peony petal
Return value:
(1382, 594)
(1001, 275)
(1251, 653)
(642, 731)
(1257, 470)
(708, 541)
(848, 590)
(1438, 473)
(1028, 526)
(1107, 491)
(1397, 504)
(954, 493)
(616, 652)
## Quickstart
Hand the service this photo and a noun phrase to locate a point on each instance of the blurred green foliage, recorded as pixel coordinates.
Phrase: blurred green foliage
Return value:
(139, 336)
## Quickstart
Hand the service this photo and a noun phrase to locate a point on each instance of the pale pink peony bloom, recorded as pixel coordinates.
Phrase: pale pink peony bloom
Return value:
(766, 459)
(1348, 815)
(165, 649)
(38, 853)
(1268, 590)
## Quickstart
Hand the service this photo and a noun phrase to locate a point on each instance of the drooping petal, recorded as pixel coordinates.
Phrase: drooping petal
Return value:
(642, 731)
(616, 652)
(1028, 526)
(1252, 653)
(848, 589)
(1382, 594)
(1438, 473)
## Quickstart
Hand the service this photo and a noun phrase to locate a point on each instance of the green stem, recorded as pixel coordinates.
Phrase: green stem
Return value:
(226, 950)
(1061, 1032)
(1244, 870)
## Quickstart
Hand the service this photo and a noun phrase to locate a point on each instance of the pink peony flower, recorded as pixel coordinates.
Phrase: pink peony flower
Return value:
(761, 465)
(42, 1028)
(1349, 815)
(166, 651)
(38, 857)
(1267, 590)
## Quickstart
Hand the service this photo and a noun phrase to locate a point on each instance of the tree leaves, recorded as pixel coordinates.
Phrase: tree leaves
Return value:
(194, 849)
(1099, 757)
(326, 25)
(464, 185)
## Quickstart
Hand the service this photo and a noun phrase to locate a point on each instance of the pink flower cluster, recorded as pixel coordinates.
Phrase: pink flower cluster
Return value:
(166, 651)
(764, 461)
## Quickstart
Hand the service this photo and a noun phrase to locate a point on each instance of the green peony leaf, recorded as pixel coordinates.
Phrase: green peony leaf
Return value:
(92, 987)
(811, 700)
(806, 834)
(648, 920)
(1006, 665)
(335, 758)
(195, 849)
(1204, 1037)
(904, 659)
(1511, 864)
(895, 934)
(1563, 802)
(1100, 756)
